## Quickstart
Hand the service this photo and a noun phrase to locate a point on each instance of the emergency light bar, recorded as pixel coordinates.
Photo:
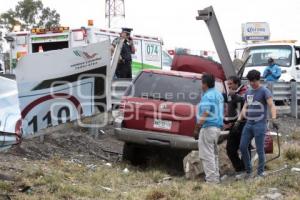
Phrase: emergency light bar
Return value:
(51, 30)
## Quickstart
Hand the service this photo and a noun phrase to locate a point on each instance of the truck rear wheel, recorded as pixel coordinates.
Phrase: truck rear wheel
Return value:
(133, 154)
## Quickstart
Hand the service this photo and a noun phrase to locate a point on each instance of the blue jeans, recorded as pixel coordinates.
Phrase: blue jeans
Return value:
(256, 130)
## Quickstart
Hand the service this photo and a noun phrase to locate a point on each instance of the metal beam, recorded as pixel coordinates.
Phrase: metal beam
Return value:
(208, 15)
(116, 57)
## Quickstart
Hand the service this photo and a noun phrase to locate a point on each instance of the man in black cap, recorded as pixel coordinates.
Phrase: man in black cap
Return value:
(124, 66)
(272, 72)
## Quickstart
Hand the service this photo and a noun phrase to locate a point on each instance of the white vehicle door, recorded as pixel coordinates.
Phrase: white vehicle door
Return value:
(297, 63)
(1, 67)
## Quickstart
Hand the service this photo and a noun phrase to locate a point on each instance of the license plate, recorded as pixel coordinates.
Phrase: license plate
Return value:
(162, 124)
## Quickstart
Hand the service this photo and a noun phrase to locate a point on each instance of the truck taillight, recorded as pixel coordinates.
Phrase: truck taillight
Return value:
(171, 52)
(18, 130)
(20, 54)
(90, 22)
(122, 107)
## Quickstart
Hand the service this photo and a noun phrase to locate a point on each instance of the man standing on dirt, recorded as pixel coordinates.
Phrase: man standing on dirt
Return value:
(255, 112)
(210, 121)
(124, 66)
(235, 102)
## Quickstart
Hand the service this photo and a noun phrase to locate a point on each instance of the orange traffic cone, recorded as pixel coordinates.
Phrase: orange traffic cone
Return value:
(41, 49)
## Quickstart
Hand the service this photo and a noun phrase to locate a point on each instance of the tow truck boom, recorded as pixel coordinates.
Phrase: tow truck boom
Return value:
(208, 15)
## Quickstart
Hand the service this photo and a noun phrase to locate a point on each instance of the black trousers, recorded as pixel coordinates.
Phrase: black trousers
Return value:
(232, 147)
(124, 70)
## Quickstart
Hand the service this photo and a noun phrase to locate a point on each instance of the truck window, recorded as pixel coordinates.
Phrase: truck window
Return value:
(167, 60)
(219, 86)
(282, 54)
(166, 87)
(21, 40)
(297, 52)
(49, 46)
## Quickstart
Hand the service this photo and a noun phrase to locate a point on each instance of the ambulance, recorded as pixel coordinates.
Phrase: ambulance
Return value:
(148, 53)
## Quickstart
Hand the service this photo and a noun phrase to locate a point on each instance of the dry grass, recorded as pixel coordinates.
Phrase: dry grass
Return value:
(295, 136)
(292, 152)
(59, 179)
(62, 179)
(5, 187)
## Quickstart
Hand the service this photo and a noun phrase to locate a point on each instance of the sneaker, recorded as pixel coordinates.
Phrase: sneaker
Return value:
(224, 178)
(249, 176)
(212, 182)
(215, 181)
(260, 176)
(244, 175)
(240, 176)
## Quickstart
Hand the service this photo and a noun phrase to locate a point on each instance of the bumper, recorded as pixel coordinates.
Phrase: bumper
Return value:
(157, 139)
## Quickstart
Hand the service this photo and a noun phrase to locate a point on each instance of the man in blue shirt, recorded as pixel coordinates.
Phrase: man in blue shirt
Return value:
(257, 100)
(272, 72)
(210, 120)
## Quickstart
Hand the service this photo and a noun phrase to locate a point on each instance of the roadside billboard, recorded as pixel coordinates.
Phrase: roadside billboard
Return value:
(255, 31)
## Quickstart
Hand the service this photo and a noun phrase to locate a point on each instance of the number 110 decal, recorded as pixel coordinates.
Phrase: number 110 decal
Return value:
(50, 110)
(63, 116)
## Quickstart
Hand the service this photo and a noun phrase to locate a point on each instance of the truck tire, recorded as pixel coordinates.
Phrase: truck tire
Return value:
(128, 152)
(133, 154)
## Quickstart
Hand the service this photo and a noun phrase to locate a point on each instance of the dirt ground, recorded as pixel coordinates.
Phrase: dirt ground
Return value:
(68, 144)
(73, 144)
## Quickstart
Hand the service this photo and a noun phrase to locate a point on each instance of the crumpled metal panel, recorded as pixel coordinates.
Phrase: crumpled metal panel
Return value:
(10, 114)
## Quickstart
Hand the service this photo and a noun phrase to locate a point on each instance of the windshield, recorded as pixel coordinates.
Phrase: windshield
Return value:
(166, 59)
(282, 55)
(166, 88)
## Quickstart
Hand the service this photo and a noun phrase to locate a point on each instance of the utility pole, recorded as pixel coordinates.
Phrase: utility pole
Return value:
(209, 17)
(115, 13)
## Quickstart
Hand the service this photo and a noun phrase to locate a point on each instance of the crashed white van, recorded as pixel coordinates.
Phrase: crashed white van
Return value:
(9, 111)
(53, 88)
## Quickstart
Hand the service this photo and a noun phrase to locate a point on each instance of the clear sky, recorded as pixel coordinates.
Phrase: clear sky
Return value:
(174, 20)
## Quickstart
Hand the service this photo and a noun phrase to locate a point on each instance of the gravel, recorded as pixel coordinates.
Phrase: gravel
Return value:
(289, 125)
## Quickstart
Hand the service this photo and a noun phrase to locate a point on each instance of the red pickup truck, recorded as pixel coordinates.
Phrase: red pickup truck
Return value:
(159, 109)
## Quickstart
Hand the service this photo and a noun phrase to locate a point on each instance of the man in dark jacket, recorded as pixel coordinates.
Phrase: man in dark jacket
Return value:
(124, 66)
(235, 101)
